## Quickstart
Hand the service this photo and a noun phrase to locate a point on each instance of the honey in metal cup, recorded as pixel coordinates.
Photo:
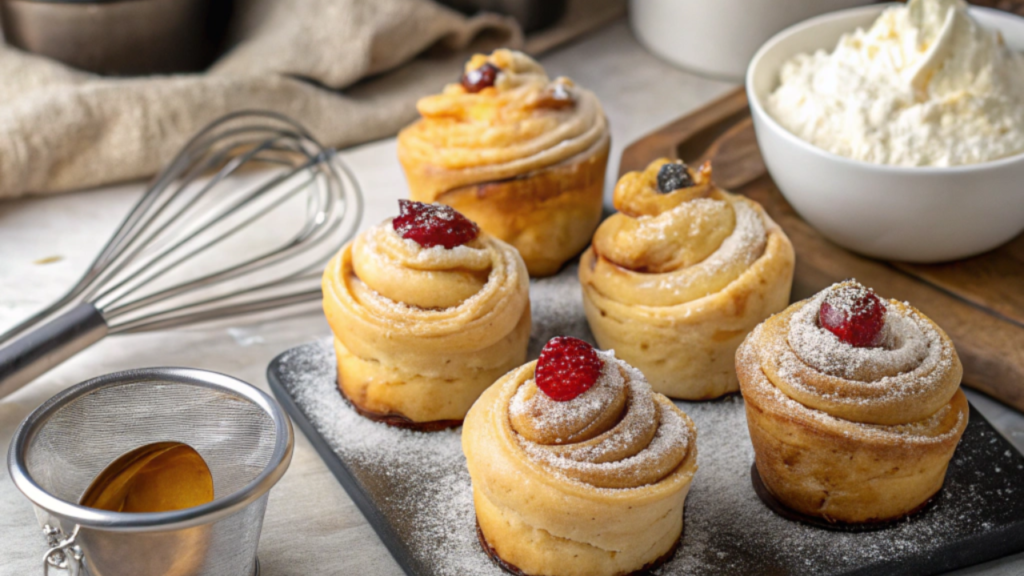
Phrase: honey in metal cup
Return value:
(241, 433)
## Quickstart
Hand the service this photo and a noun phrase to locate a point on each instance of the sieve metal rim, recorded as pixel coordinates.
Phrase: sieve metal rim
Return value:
(153, 521)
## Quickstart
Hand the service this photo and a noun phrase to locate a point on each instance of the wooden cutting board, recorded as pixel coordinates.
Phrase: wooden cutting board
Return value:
(978, 301)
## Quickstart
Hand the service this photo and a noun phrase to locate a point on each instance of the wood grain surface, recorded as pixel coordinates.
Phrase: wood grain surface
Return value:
(978, 301)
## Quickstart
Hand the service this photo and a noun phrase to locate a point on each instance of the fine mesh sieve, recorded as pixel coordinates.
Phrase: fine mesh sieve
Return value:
(240, 432)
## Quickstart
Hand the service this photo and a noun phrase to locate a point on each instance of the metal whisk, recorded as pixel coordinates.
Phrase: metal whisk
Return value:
(242, 221)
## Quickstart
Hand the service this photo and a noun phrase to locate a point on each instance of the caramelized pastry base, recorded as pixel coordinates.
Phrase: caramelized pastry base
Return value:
(511, 569)
(399, 421)
(549, 215)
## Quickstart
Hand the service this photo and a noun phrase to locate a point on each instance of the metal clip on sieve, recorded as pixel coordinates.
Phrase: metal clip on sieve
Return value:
(63, 554)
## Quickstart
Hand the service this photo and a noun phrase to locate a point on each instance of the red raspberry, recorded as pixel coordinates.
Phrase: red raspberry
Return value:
(483, 77)
(854, 314)
(567, 368)
(432, 225)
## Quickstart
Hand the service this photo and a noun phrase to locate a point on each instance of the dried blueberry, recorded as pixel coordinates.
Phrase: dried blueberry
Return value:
(483, 77)
(673, 176)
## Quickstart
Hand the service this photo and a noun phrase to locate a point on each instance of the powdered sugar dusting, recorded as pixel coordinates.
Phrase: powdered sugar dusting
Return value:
(661, 456)
(907, 342)
(920, 432)
(419, 483)
(423, 474)
(505, 284)
(913, 361)
(561, 420)
(733, 257)
(698, 212)
(640, 442)
(433, 225)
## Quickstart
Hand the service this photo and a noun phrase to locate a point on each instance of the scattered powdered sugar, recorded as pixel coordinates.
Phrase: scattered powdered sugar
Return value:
(557, 309)
(419, 483)
(418, 480)
(920, 432)
(503, 277)
(698, 212)
(746, 243)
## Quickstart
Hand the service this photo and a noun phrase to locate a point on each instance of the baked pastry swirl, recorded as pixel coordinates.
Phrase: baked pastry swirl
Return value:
(852, 433)
(676, 279)
(590, 486)
(421, 332)
(520, 154)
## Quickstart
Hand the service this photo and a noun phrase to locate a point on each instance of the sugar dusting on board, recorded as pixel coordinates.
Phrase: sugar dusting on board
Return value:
(419, 482)
(423, 473)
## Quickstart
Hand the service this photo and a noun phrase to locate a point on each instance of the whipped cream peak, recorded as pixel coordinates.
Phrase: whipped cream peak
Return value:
(924, 85)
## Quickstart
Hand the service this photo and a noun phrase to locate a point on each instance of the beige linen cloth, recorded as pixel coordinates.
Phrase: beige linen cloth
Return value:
(349, 70)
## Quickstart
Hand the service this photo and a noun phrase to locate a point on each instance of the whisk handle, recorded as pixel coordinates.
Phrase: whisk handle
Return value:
(36, 352)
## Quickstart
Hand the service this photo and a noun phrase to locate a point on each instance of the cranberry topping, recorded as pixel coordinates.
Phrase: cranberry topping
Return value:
(855, 314)
(432, 225)
(567, 368)
(673, 176)
(483, 77)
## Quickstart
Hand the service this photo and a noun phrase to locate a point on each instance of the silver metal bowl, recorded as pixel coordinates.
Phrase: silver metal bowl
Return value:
(240, 432)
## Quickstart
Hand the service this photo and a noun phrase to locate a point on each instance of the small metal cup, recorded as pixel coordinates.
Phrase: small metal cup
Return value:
(58, 450)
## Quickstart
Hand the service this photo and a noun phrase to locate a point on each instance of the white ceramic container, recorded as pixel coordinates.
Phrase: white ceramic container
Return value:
(718, 37)
(890, 212)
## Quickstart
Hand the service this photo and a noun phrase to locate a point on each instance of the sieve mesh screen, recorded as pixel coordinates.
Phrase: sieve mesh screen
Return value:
(233, 435)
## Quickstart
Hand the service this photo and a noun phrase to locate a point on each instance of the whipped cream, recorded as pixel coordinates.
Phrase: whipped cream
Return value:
(925, 85)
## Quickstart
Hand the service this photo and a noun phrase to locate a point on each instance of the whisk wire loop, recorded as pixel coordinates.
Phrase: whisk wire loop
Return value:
(241, 221)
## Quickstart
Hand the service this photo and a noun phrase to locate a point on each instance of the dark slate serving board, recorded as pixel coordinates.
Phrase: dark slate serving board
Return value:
(414, 490)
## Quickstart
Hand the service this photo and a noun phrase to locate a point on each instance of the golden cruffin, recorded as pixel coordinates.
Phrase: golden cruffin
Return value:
(607, 504)
(852, 434)
(421, 332)
(525, 159)
(676, 280)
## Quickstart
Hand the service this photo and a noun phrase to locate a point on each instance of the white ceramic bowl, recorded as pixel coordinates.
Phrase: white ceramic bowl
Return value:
(718, 37)
(890, 212)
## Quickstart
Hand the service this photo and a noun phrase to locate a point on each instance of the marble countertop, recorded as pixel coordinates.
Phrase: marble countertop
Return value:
(311, 526)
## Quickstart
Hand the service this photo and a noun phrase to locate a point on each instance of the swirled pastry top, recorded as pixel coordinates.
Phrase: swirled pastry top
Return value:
(524, 122)
(383, 278)
(909, 377)
(617, 434)
(664, 249)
